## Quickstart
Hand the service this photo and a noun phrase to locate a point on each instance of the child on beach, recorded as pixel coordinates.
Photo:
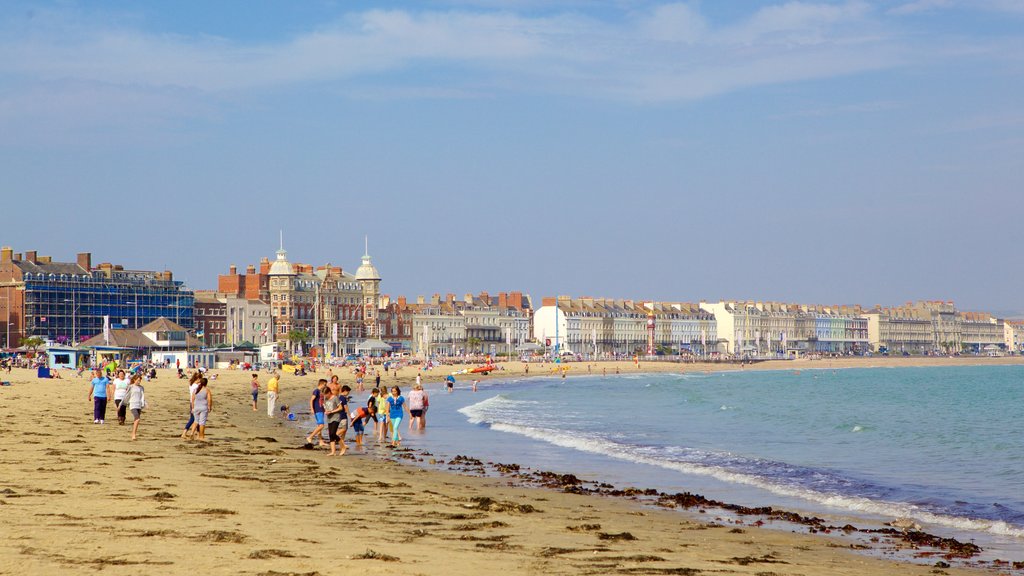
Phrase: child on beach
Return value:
(383, 414)
(316, 407)
(135, 400)
(396, 409)
(358, 418)
(255, 386)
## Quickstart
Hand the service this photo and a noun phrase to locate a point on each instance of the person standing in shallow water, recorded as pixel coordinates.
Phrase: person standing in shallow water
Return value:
(316, 407)
(396, 409)
(99, 391)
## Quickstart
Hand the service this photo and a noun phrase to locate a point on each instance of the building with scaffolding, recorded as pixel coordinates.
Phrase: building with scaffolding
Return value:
(68, 302)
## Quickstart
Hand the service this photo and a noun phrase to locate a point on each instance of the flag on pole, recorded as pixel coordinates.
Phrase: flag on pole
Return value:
(106, 330)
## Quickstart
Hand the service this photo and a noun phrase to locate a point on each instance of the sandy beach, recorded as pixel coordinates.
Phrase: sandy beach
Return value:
(77, 497)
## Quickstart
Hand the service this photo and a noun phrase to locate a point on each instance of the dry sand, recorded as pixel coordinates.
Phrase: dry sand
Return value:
(76, 497)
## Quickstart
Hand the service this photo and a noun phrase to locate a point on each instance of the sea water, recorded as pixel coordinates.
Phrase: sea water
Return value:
(943, 446)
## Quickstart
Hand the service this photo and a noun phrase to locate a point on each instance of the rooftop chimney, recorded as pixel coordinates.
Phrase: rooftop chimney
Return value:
(85, 260)
(6, 254)
(250, 269)
(30, 256)
(232, 270)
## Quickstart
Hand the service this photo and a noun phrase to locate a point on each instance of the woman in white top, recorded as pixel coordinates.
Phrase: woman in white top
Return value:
(135, 400)
(120, 388)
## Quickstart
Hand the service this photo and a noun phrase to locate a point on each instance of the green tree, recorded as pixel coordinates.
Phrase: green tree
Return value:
(474, 343)
(32, 342)
(298, 337)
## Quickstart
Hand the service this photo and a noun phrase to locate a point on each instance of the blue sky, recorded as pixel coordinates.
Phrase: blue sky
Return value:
(824, 152)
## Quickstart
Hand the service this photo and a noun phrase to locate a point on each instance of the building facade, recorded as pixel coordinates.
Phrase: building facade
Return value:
(336, 309)
(601, 327)
(475, 324)
(230, 320)
(70, 301)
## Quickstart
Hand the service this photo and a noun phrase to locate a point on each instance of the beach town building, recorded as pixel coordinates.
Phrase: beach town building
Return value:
(160, 340)
(1013, 335)
(451, 326)
(899, 329)
(752, 328)
(335, 308)
(936, 326)
(982, 333)
(602, 327)
(230, 320)
(67, 302)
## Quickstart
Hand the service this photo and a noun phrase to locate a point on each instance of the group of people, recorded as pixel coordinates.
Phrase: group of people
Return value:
(128, 395)
(200, 405)
(330, 406)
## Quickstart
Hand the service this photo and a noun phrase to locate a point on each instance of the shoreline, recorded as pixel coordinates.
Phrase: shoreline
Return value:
(247, 502)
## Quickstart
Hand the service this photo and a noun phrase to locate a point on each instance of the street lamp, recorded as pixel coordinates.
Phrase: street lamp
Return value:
(135, 320)
(74, 312)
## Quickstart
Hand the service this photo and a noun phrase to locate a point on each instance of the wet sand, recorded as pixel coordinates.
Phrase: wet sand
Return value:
(77, 497)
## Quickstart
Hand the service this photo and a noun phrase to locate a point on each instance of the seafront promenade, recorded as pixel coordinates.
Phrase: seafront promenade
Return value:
(79, 497)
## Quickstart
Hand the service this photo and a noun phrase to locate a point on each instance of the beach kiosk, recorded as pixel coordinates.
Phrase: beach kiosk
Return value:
(65, 358)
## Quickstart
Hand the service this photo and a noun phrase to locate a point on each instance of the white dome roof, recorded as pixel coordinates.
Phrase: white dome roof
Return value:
(367, 271)
(281, 266)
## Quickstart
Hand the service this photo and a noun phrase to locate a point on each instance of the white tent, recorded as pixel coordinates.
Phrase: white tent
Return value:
(373, 346)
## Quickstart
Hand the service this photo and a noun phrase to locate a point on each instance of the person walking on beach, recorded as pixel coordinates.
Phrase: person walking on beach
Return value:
(193, 385)
(272, 387)
(202, 403)
(316, 407)
(135, 400)
(99, 390)
(255, 388)
(396, 409)
(120, 387)
(416, 407)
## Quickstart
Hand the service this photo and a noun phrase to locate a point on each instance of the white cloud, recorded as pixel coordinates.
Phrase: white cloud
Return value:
(668, 52)
(918, 6)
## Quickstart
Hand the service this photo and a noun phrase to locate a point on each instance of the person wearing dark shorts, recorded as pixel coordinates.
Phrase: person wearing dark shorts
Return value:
(333, 411)
(316, 407)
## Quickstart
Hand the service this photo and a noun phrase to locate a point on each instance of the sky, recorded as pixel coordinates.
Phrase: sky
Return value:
(847, 152)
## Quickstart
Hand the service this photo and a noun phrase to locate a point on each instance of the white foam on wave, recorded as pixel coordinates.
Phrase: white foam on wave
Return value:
(857, 429)
(602, 446)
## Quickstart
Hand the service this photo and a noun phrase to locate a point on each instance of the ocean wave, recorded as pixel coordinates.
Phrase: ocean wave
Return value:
(595, 444)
